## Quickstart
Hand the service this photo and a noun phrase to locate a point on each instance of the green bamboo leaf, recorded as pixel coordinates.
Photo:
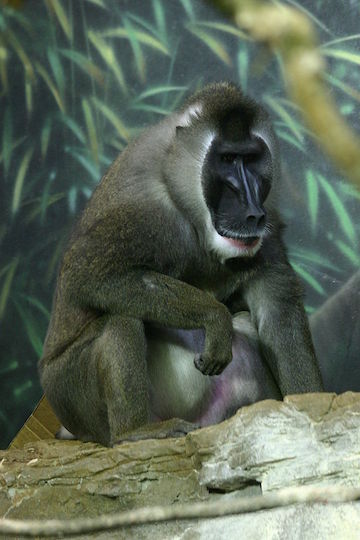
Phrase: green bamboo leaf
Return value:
(289, 139)
(4, 56)
(36, 303)
(32, 329)
(307, 256)
(243, 67)
(52, 199)
(160, 19)
(84, 63)
(347, 89)
(150, 108)
(45, 136)
(56, 7)
(349, 253)
(90, 125)
(113, 118)
(72, 125)
(306, 276)
(99, 3)
(137, 52)
(143, 37)
(19, 50)
(222, 27)
(19, 180)
(211, 42)
(188, 7)
(142, 22)
(55, 92)
(14, 145)
(86, 163)
(6, 288)
(28, 95)
(57, 70)
(156, 90)
(340, 54)
(7, 140)
(340, 40)
(72, 196)
(22, 389)
(339, 209)
(349, 190)
(109, 57)
(312, 197)
(285, 116)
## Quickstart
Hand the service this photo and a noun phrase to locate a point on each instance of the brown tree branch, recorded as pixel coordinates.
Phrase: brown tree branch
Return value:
(289, 32)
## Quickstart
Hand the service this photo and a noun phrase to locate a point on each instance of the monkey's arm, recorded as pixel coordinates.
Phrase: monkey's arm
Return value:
(158, 298)
(275, 302)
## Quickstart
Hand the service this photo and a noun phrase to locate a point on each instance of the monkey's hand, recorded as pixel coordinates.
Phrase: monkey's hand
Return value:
(218, 352)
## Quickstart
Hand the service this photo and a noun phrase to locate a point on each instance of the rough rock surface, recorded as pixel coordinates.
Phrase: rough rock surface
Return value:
(307, 439)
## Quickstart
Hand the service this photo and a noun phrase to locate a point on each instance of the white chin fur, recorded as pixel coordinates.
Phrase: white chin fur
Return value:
(224, 250)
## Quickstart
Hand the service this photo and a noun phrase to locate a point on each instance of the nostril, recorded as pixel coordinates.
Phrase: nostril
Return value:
(261, 222)
(255, 219)
(251, 220)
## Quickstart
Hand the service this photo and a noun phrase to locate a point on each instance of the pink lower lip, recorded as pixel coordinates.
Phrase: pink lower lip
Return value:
(240, 244)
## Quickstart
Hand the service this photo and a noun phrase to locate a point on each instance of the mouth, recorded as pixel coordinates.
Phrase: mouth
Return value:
(245, 242)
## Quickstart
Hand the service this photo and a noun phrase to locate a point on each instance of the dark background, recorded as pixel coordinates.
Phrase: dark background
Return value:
(78, 78)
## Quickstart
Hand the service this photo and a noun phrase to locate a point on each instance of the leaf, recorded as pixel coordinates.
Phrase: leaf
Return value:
(289, 139)
(306, 255)
(32, 329)
(57, 8)
(347, 89)
(6, 288)
(143, 37)
(3, 67)
(285, 116)
(188, 7)
(14, 145)
(57, 70)
(156, 90)
(7, 140)
(339, 209)
(150, 108)
(306, 276)
(36, 302)
(14, 42)
(160, 19)
(138, 54)
(20, 390)
(19, 180)
(99, 3)
(312, 197)
(51, 86)
(72, 125)
(349, 253)
(210, 41)
(243, 67)
(90, 125)
(113, 118)
(84, 63)
(86, 163)
(72, 196)
(222, 27)
(340, 54)
(108, 55)
(45, 136)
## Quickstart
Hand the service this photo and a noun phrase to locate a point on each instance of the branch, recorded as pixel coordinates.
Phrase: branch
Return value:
(289, 32)
(157, 514)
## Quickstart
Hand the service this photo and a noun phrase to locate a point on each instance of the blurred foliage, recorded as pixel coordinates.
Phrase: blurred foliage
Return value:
(78, 79)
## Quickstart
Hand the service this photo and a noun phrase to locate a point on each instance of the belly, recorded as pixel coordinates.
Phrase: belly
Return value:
(178, 389)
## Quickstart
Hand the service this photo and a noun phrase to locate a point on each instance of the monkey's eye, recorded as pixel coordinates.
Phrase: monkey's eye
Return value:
(229, 158)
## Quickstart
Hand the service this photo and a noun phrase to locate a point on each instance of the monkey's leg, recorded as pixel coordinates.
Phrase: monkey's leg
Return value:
(99, 386)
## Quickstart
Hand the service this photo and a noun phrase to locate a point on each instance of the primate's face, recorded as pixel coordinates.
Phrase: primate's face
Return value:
(236, 182)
